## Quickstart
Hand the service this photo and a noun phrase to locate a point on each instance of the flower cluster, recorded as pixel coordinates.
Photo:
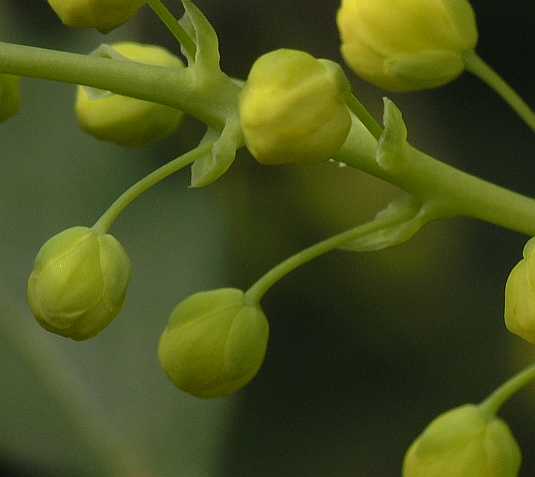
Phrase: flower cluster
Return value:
(292, 109)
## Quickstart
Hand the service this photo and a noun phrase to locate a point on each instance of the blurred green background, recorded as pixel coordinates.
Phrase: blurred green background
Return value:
(365, 348)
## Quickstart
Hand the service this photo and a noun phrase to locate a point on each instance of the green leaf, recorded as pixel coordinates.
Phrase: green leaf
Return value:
(185, 22)
(416, 217)
(392, 145)
(206, 41)
(219, 158)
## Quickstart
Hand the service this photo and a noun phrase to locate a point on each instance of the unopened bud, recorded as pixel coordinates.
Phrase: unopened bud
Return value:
(464, 442)
(78, 283)
(214, 343)
(104, 15)
(520, 296)
(129, 121)
(292, 109)
(406, 45)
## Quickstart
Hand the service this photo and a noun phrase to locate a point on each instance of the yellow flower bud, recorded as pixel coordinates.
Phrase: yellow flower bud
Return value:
(214, 343)
(406, 45)
(78, 283)
(464, 442)
(9, 96)
(520, 296)
(104, 15)
(129, 121)
(292, 109)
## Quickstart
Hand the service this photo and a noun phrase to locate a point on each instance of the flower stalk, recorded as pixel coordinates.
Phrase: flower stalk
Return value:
(107, 219)
(479, 68)
(507, 390)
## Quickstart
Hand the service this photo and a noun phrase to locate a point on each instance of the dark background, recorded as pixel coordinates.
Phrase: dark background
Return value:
(365, 348)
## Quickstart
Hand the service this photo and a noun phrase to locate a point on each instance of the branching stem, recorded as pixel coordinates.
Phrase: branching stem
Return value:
(428, 179)
(457, 193)
(173, 87)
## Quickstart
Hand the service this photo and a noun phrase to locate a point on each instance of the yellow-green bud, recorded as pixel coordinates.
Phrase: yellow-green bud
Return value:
(406, 45)
(9, 96)
(520, 296)
(292, 109)
(104, 15)
(464, 442)
(214, 343)
(79, 282)
(129, 121)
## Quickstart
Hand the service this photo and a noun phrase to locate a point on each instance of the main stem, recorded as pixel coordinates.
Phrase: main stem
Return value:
(499, 397)
(173, 87)
(455, 192)
(477, 66)
(107, 219)
(260, 288)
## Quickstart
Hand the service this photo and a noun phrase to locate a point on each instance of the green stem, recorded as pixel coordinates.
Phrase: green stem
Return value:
(107, 219)
(63, 382)
(173, 26)
(477, 66)
(359, 110)
(170, 86)
(453, 191)
(260, 288)
(423, 176)
(498, 398)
